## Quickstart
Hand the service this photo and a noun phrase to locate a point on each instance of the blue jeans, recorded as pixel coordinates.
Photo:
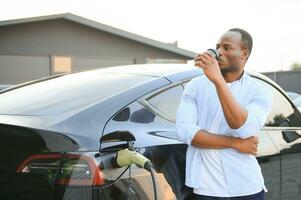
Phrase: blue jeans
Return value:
(257, 196)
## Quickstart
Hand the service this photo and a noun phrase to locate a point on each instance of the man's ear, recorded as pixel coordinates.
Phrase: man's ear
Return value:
(245, 54)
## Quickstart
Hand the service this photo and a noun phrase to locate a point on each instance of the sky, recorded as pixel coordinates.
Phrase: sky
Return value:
(195, 24)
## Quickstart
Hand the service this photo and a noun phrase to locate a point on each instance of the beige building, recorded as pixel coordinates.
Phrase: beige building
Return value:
(36, 47)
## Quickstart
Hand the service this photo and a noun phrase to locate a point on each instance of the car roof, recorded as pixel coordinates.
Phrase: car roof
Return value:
(157, 70)
(172, 72)
(166, 70)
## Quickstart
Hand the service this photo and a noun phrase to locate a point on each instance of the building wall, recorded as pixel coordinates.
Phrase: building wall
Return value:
(18, 69)
(66, 37)
(24, 46)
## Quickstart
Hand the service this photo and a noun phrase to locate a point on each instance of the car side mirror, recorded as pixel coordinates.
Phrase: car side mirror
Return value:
(125, 139)
(290, 136)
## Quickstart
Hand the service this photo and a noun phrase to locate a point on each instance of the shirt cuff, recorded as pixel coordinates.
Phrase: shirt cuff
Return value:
(187, 132)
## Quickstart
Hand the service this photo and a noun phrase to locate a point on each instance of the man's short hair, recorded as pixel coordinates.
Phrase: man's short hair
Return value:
(246, 38)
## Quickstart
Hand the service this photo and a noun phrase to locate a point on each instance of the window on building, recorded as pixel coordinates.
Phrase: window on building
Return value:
(61, 64)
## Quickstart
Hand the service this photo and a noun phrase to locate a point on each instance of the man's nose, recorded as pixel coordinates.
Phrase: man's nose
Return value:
(220, 53)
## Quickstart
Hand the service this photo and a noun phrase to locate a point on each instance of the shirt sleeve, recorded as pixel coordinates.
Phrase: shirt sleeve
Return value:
(187, 114)
(258, 110)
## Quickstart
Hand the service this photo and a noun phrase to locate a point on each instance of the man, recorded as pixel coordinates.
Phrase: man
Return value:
(219, 116)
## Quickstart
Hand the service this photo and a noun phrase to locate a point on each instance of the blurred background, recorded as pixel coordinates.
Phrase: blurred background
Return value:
(42, 37)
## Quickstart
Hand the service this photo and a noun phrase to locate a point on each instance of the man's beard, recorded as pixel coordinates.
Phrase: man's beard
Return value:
(229, 69)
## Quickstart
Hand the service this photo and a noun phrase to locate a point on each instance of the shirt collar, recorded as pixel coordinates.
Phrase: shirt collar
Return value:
(242, 78)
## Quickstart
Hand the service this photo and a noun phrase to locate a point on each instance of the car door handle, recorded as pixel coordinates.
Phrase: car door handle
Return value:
(290, 136)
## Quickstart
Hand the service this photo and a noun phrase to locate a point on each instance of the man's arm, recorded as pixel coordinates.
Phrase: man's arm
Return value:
(258, 110)
(190, 133)
(245, 122)
(204, 139)
(234, 113)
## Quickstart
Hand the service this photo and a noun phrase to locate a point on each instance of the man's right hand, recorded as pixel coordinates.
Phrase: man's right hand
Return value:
(248, 145)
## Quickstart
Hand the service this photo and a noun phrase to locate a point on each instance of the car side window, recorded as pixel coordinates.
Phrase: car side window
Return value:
(282, 112)
(167, 101)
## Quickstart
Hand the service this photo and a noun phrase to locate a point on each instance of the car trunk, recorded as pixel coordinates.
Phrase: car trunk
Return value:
(30, 160)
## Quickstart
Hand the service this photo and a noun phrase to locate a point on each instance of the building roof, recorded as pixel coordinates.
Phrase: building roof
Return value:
(105, 28)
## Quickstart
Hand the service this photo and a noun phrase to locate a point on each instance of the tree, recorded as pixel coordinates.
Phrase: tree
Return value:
(296, 66)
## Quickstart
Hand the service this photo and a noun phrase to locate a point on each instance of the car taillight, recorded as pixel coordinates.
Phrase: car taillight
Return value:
(71, 170)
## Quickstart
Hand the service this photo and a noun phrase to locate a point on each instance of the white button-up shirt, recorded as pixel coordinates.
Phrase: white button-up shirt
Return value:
(222, 172)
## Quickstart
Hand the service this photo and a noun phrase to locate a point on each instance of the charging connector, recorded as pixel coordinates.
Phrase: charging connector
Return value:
(127, 157)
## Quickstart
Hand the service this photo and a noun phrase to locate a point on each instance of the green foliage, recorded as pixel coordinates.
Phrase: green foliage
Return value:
(296, 66)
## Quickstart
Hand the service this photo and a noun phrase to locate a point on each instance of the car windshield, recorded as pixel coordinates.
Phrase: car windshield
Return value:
(66, 93)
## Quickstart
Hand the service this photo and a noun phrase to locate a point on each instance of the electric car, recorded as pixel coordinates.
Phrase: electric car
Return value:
(60, 135)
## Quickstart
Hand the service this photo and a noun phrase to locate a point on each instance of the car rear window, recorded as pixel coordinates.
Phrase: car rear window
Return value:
(67, 93)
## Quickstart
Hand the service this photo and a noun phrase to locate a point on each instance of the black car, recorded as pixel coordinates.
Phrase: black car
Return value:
(60, 134)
